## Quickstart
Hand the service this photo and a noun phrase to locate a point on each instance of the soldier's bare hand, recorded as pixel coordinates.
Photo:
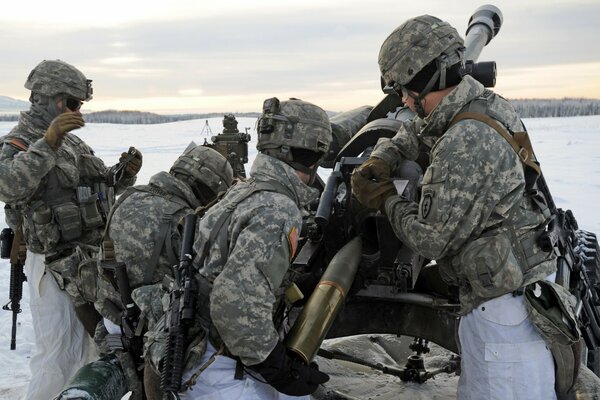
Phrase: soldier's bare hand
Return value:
(60, 126)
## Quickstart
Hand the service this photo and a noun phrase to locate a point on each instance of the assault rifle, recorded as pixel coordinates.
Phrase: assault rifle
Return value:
(11, 248)
(180, 314)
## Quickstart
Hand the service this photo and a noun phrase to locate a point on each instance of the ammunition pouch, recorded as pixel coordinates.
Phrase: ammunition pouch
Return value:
(490, 266)
(552, 310)
(155, 346)
(152, 300)
(90, 216)
(75, 272)
(68, 219)
(46, 230)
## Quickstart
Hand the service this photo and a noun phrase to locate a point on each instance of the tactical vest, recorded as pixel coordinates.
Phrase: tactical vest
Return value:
(219, 233)
(109, 300)
(562, 335)
(72, 202)
(525, 260)
(203, 328)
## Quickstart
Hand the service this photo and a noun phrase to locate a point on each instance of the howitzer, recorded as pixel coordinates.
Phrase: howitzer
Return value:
(232, 144)
(578, 269)
(180, 315)
(12, 247)
(395, 291)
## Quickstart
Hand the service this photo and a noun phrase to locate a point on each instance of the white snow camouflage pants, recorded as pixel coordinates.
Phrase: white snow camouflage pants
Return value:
(217, 382)
(62, 345)
(503, 355)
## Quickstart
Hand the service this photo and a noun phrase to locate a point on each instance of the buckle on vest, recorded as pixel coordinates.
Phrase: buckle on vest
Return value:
(523, 154)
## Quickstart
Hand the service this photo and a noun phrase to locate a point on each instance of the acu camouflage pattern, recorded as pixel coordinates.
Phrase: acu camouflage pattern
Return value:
(416, 43)
(134, 230)
(204, 166)
(473, 182)
(52, 77)
(552, 309)
(47, 182)
(247, 288)
(305, 126)
(48, 177)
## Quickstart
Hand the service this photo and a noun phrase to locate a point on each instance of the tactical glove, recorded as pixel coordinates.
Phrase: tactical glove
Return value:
(375, 168)
(132, 160)
(370, 193)
(288, 374)
(65, 122)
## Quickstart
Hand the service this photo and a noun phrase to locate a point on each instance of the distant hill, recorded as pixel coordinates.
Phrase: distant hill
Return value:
(141, 117)
(526, 108)
(10, 105)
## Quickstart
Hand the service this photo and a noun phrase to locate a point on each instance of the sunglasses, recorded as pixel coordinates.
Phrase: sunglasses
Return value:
(397, 89)
(74, 104)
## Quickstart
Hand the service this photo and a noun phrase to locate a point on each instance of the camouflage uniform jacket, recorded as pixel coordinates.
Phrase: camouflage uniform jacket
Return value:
(135, 229)
(473, 185)
(34, 176)
(261, 240)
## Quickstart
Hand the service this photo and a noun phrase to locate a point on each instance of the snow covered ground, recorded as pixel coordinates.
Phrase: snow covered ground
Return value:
(568, 149)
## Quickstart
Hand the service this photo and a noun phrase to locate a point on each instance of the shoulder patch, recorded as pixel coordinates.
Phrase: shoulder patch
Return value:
(293, 241)
(19, 144)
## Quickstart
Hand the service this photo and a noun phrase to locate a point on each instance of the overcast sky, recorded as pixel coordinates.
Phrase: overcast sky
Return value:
(228, 55)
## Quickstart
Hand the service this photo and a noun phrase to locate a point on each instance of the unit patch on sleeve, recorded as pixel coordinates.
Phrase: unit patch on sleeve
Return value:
(293, 240)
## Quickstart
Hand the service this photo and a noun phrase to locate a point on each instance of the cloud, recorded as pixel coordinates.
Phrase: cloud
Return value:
(329, 50)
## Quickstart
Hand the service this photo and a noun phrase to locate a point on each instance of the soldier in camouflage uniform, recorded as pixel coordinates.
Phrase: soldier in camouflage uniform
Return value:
(143, 231)
(243, 250)
(59, 192)
(473, 217)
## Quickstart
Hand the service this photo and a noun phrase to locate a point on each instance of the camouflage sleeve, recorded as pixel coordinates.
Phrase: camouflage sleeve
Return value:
(22, 171)
(474, 175)
(243, 296)
(124, 183)
(403, 146)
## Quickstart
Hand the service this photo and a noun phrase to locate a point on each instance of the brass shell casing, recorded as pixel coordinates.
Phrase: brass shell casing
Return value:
(313, 323)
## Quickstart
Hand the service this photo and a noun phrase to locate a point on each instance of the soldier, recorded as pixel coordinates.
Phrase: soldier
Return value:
(59, 192)
(243, 250)
(473, 217)
(143, 230)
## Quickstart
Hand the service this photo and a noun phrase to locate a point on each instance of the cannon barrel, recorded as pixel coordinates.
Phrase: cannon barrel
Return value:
(484, 25)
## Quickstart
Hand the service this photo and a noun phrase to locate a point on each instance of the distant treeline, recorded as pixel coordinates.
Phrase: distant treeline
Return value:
(527, 108)
(567, 107)
(140, 117)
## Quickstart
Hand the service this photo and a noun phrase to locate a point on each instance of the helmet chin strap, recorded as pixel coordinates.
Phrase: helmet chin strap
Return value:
(419, 99)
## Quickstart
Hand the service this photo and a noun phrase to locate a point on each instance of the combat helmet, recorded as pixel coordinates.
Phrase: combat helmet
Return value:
(53, 77)
(295, 132)
(205, 170)
(423, 54)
